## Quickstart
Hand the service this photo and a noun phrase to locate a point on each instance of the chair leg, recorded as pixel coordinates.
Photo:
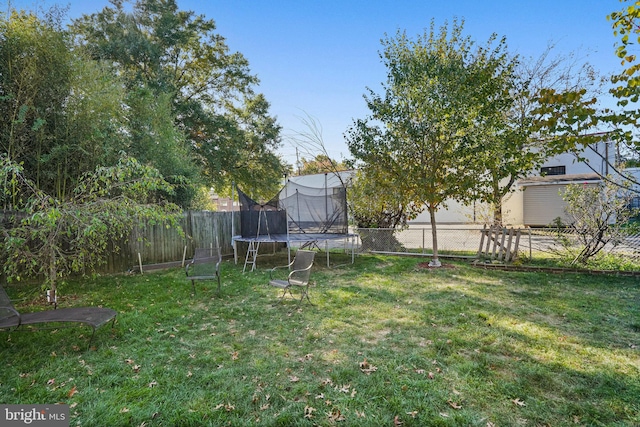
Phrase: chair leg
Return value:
(305, 293)
(284, 292)
(93, 334)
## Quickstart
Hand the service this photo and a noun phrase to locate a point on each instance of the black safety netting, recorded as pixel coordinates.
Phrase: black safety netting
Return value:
(303, 210)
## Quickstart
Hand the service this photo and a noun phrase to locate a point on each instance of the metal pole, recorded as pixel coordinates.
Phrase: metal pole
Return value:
(326, 202)
(233, 229)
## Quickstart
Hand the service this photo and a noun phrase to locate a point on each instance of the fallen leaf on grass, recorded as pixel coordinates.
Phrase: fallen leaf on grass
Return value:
(396, 421)
(234, 355)
(519, 402)
(360, 414)
(453, 404)
(72, 391)
(344, 388)
(412, 413)
(308, 412)
(367, 368)
(227, 407)
(336, 415)
(306, 358)
(293, 378)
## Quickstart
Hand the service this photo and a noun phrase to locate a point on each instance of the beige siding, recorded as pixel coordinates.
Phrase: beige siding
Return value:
(543, 204)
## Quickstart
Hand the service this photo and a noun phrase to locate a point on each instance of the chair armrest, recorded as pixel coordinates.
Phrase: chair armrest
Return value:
(292, 275)
(302, 269)
(271, 271)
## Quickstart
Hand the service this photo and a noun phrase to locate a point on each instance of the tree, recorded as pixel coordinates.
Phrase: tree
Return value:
(515, 141)
(154, 139)
(627, 83)
(54, 238)
(604, 223)
(226, 125)
(321, 163)
(65, 113)
(577, 121)
(422, 134)
(376, 203)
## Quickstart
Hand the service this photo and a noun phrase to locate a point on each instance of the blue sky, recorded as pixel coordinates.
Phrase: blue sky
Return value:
(317, 58)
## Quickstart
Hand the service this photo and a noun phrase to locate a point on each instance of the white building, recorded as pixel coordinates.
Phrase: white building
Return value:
(537, 199)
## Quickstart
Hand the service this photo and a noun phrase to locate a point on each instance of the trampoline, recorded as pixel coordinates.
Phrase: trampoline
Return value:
(297, 216)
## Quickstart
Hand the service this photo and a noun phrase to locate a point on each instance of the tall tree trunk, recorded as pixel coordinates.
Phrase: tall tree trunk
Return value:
(435, 262)
(52, 297)
(497, 214)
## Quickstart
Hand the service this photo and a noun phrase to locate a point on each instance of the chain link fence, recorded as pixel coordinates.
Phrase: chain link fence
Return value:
(464, 241)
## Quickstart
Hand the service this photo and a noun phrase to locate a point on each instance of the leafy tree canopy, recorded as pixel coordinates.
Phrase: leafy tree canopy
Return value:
(54, 238)
(176, 53)
(423, 133)
(321, 163)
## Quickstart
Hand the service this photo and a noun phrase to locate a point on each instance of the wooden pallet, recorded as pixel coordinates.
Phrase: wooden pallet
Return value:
(499, 243)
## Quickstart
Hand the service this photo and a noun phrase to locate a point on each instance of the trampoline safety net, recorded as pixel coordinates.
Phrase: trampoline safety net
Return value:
(299, 209)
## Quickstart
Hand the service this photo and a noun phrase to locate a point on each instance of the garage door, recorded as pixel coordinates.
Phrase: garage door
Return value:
(543, 204)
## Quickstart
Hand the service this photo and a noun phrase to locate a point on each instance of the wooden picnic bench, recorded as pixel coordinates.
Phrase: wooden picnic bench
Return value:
(12, 319)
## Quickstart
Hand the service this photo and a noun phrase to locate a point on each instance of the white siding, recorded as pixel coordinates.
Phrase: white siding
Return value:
(454, 213)
(513, 207)
(593, 160)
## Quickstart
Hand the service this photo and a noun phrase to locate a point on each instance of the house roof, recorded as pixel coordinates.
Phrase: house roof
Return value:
(589, 178)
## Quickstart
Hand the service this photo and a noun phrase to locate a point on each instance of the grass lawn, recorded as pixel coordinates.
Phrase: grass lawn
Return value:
(388, 343)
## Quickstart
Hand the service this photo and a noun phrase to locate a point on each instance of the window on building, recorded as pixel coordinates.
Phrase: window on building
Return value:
(553, 170)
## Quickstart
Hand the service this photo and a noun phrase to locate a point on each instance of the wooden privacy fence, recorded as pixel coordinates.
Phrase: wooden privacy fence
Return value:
(499, 243)
(157, 244)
